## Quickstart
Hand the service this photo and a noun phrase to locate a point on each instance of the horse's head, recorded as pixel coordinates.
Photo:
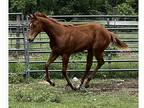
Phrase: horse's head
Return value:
(35, 27)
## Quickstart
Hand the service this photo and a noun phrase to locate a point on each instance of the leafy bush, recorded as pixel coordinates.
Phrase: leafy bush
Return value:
(126, 9)
(16, 70)
(59, 7)
(15, 78)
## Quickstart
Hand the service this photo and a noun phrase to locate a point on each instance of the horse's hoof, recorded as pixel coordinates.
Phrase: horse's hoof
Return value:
(83, 89)
(52, 84)
(77, 87)
(74, 88)
(87, 86)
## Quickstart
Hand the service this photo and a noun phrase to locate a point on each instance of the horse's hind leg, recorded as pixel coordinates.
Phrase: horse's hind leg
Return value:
(50, 60)
(65, 60)
(88, 66)
(100, 62)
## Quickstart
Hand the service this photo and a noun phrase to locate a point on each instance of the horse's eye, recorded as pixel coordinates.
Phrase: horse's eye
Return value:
(31, 25)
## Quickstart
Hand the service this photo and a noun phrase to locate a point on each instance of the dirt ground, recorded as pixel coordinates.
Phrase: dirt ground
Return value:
(105, 85)
(114, 85)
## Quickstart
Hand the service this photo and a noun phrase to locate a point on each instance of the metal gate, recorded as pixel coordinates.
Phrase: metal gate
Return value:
(20, 51)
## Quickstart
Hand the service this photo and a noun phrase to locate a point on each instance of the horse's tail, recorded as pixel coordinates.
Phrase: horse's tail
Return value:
(117, 42)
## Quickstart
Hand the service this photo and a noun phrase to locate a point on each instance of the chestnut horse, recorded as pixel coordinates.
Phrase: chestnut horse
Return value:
(68, 39)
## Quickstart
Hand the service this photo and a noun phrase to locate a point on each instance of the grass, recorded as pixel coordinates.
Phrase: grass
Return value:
(41, 95)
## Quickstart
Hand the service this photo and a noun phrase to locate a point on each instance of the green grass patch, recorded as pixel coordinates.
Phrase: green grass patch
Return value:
(37, 95)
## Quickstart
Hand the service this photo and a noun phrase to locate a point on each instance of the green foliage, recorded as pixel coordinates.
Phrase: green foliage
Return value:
(64, 10)
(16, 67)
(17, 71)
(125, 9)
(73, 6)
(24, 6)
(16, 78)
(35, 93)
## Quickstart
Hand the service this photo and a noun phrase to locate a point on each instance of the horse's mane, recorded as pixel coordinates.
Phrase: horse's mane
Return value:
(39, 14)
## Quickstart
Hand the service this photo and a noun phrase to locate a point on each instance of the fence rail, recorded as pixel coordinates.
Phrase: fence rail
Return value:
(95, 16)
(17, 35)
(100, 70)
(76, 61)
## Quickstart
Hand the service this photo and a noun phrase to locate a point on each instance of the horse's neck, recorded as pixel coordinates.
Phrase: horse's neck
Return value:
(52, 29)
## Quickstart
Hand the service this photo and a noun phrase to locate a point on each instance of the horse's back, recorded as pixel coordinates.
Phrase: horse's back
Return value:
(85, 37)
(99, 36)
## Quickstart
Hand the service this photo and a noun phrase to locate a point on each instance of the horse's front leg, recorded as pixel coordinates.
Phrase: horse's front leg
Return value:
(52, 57)
(65, 60)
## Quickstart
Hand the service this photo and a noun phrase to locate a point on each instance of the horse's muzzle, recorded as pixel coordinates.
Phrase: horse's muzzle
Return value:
(30, 40)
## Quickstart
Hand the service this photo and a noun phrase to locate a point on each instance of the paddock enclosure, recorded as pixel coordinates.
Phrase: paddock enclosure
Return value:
(29, 58)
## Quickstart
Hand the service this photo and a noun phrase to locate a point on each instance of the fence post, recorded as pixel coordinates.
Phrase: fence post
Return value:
(26, 47)
(17, 35)
(18, 32)
(108, 23)
(109, 62)
(115, 12)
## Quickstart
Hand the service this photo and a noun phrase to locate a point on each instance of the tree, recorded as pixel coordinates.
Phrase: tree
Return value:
(126, 9)
(73, 6)
(24, 6)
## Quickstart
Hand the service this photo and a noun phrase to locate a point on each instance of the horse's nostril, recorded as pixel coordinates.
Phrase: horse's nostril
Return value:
(29, 40)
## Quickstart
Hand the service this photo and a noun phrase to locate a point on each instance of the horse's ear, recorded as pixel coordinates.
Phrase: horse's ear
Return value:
(32, 16)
